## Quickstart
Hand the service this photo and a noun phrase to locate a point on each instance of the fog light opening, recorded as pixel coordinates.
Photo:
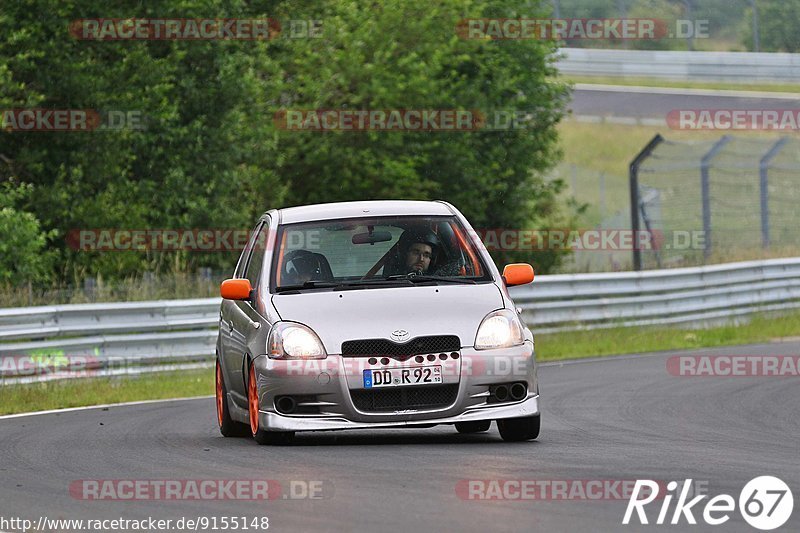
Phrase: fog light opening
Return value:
(285, 404)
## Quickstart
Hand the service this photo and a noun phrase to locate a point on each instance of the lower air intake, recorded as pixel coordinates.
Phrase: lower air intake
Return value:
(399, 398)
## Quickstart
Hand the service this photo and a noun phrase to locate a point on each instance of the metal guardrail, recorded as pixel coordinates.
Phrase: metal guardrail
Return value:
(107, 336)
(65, 320)
(697, 295)
(738, 67)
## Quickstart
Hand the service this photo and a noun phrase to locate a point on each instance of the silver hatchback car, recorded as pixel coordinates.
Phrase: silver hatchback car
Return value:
(372, 314)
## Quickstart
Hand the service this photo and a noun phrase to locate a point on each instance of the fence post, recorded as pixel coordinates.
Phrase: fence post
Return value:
(573, 180)
(602, 195)
(763, 171)
(705, 163)
(633, 173)
(90, 288)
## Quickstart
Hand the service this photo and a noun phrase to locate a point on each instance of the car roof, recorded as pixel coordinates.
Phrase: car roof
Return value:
(308, 213)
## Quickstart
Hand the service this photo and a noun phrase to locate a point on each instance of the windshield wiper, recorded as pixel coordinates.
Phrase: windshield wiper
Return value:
(373, 281)
(307, 285)
(424, 277)
(339, 285)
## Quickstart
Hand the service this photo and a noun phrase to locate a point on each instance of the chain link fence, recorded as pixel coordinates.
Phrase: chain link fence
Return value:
(719, 198)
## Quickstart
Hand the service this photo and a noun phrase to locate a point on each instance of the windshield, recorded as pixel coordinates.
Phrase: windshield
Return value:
(374, 251)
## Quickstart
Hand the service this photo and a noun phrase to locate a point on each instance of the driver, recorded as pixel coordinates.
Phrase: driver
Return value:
(418, 250)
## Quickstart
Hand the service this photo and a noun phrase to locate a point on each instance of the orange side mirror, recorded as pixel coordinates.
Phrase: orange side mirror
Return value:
(235, 289)
(517, 274)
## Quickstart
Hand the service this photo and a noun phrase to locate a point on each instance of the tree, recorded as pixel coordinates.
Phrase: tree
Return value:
(201, 160)
(211, 155)
(24, 257)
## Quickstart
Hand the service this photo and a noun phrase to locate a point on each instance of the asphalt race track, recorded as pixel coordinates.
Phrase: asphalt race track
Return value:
(617, 419)
(657, 102)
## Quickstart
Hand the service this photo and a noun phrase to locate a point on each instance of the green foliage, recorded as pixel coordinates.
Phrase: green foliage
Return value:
(210, 154)
(204, 153)
(23, 254)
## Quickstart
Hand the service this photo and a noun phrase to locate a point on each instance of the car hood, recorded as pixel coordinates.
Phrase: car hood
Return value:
(339, 316)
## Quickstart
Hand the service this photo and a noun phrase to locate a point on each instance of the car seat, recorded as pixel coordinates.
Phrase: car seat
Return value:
(300, 266)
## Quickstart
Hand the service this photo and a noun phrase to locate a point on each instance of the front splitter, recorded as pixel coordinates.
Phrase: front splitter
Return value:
(278, 422)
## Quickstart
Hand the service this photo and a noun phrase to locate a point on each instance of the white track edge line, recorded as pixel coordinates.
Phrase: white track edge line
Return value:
(102, 406)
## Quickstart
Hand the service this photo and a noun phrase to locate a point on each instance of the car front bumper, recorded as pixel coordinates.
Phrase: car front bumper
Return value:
(326, 389)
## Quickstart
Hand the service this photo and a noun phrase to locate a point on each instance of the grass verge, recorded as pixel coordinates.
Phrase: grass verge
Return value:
(655, 82)
(97, 391)
(549, 347)
(614, 341)
(609, 149)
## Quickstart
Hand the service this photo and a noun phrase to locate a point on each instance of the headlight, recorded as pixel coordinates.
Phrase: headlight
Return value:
(290, 340)
(500, 329)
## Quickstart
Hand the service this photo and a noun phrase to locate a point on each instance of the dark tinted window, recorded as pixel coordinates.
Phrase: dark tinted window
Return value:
(259, 246)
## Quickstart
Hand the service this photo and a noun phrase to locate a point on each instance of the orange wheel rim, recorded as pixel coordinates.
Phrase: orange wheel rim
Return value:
(252, 396)
(220, 398)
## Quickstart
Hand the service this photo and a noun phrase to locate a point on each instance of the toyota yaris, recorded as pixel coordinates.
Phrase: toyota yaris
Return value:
(372, 314)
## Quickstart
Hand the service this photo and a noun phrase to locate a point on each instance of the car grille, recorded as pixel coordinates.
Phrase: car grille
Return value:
(387, 348)
(398, 398)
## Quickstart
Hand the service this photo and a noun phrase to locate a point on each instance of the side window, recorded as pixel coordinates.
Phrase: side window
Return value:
(242, 264)
(256, 261)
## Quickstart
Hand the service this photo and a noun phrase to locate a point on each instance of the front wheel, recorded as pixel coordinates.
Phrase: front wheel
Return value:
(519, 429)
(260, 435)
(227, 426)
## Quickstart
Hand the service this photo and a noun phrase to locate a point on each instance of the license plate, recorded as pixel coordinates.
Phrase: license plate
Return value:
(397, 377)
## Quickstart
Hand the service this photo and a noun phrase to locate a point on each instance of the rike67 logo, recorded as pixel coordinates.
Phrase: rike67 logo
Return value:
(765, 503)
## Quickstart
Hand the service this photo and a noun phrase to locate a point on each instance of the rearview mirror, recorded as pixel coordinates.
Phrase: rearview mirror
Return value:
(372, 238)
(235, 289)
(517, 274)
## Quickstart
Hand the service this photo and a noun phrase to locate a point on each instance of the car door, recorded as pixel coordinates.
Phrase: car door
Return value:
(229, 361)
(231, 345)
(244, 319)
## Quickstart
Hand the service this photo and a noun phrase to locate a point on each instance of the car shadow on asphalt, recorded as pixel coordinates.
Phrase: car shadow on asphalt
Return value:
(399, 437)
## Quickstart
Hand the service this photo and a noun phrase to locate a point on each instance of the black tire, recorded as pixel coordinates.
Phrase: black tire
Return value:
(227, 426)
(274, 438)
(260, 435)
(519, 429)
(479, 426)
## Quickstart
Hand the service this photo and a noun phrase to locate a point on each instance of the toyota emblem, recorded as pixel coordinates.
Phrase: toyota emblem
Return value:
(400, 335)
